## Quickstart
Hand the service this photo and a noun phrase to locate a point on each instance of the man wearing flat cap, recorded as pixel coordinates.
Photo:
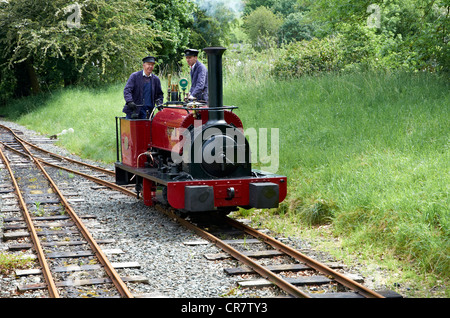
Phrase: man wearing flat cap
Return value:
(199, 76)
(142, 91)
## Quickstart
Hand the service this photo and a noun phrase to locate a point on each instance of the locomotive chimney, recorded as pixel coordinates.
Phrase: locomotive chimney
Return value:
(215, 83)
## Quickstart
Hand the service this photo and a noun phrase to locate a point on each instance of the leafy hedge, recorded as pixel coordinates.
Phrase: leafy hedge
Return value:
(354, 48)
(309, 57)
(357, 47)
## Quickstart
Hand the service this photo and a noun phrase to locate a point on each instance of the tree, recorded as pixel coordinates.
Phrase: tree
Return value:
(251, 5)
(65, 42)
(212, 24)
(174, 18)
(286, 7)
(411, 33)
(262, 27)
(294, 28)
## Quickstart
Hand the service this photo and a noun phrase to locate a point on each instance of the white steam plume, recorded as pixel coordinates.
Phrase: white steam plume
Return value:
(210, 6)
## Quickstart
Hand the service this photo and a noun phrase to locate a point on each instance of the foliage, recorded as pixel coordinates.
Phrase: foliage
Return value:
(251, 5)
(286, 7)
(291, 14)
(399, 44)
(359, 44)
(61, 43)
(410, 34)
(172, 17)
(294, 28)
(262, 27)
(212, 27)
(309, 57)
(10, 262)
(421, 30)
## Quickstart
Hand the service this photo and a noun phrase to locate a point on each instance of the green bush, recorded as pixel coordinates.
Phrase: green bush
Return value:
(353, 48)
(262, 27)
(356, 47)
(309, 57)
(294, 28)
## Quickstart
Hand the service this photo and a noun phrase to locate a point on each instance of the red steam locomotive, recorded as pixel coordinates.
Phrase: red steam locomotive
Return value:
(196, 154)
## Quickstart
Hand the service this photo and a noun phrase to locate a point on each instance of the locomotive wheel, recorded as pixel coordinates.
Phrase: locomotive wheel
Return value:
(182, 214)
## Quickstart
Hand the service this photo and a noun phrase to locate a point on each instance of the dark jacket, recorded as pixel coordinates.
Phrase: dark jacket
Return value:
(134, 89)
(199, 85)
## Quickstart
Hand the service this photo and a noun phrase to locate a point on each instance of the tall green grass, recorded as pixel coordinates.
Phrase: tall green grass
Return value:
(368, 152)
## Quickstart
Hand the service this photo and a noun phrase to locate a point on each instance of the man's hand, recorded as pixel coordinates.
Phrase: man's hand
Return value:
(132, 106)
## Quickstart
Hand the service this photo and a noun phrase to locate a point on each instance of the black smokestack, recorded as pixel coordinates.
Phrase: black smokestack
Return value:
(215, 83)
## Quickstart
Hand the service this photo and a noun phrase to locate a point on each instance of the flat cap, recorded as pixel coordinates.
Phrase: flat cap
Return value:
(190, 52)
(149, 59)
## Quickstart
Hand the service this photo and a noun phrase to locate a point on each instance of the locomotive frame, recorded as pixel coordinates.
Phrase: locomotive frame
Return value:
(146, 148)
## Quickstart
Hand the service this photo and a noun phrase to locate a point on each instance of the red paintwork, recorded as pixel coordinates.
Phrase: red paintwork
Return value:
(165, 128)
(148, 191)
(175, 190)
(135, 139)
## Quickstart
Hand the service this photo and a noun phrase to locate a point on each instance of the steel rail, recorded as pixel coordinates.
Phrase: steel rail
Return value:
(112, 273)
(51, 286)
(261, 270)
(94, 179)
(97, 180)
(56, 155)
(322, 268)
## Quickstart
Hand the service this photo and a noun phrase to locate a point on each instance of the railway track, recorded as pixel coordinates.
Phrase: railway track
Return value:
(239, 234)
(55, 231)
(290, 280)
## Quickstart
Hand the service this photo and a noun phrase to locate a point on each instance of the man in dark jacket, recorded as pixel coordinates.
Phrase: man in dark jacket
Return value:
(142, 91)
(199, 76)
